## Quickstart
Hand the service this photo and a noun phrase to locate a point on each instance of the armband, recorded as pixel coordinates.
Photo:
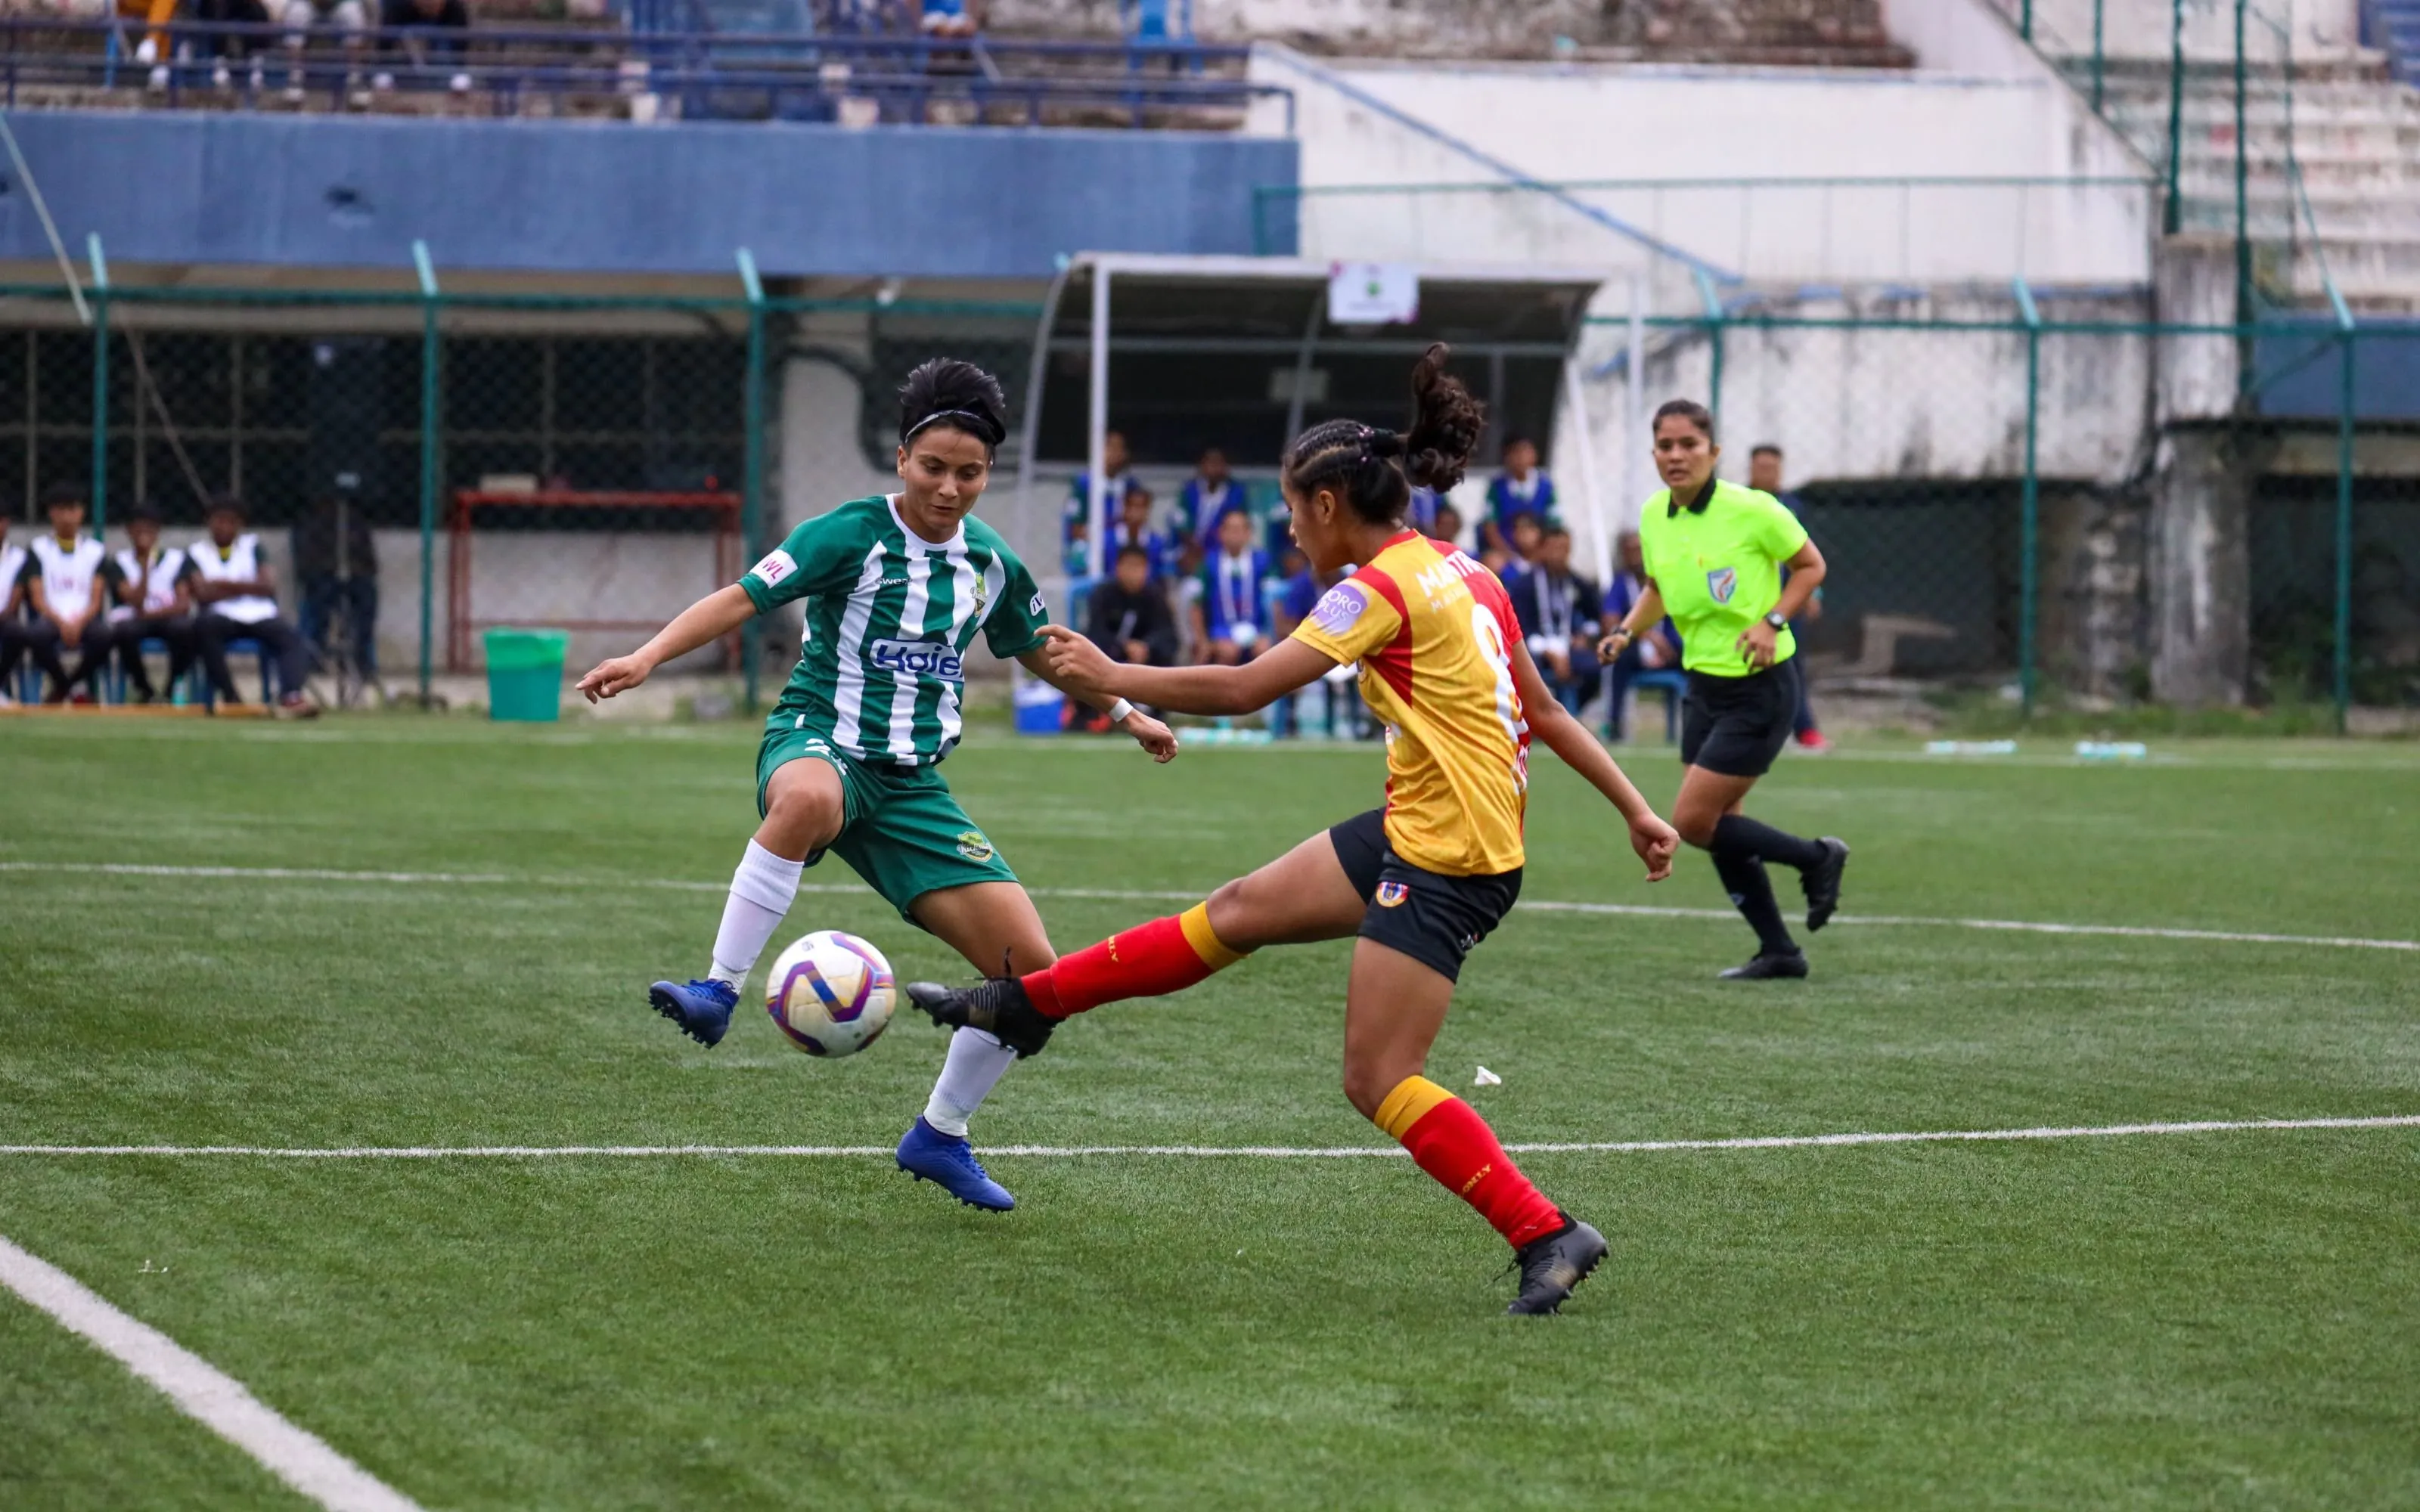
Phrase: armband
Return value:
(1119, 711)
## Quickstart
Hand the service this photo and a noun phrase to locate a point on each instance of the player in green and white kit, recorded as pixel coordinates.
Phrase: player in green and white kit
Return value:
(895, 589)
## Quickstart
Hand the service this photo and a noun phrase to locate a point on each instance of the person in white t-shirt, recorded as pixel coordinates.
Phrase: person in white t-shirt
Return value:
(65, 585)
(238, 596)
(154, 603)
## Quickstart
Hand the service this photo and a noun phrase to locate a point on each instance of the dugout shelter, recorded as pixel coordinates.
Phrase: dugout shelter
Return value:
(1191, 351)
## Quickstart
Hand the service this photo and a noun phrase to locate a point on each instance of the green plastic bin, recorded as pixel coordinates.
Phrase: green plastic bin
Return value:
(525, 673)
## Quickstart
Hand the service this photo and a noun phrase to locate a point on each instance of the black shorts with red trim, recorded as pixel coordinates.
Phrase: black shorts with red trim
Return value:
(1435, 919)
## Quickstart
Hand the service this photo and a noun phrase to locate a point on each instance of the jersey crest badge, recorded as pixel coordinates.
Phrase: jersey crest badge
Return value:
(1722, 582)
(973, 846)
(1391, 894)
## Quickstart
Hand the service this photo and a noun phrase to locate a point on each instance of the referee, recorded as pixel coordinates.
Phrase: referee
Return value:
(1714, 554)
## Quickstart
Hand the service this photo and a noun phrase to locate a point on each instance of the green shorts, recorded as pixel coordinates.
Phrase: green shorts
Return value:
(901, 828)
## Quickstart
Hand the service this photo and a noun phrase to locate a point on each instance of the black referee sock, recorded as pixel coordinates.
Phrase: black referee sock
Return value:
(1751, 893)
(1738, 832)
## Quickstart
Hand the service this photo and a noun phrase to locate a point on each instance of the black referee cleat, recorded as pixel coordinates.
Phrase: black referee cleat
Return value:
(999, 1007)
(1823, 883)
(1552, 1266)
(1767, 966)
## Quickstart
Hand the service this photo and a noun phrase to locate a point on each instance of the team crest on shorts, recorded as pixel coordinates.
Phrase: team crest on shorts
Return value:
(973, 846)
(1391, 894)
(1722, 582)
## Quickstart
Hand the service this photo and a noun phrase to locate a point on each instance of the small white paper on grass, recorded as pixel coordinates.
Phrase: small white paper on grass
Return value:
(1486, 1078)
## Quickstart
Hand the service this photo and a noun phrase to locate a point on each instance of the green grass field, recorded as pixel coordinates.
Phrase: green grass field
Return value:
(2207, 1319)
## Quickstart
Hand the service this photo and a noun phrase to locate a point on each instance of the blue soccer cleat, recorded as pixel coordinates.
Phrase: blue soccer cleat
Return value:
(929, 1155)
(702, 1009)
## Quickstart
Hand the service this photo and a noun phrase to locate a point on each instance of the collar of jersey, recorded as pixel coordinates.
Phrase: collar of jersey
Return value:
(956, 543)
(1697, 506)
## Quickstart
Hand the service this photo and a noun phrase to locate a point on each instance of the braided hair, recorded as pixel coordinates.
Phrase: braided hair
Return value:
(1374, 471)
(958, 396)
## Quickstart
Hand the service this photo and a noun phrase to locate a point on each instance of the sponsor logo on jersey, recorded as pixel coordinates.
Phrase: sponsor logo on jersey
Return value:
(1338, 608)
(1035, 608)
(1391, 894)
(1722, 582)
(892, 582)
(973, 846)
(918, 659)
(776, 565)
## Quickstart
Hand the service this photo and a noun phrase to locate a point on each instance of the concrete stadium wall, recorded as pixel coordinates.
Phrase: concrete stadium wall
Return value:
(584, 197)
(1369, 122)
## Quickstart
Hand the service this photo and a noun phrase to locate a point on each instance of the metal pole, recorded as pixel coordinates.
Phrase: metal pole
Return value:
(2026, 20)
(2242, 211)
(2345, 385)
(752, 498)
(1714, 345)
(2173, 218)
(1584, 450)
(99, 484)
(1096, 426)
(1635, 444)
(2099, 57)
(2029, 547)
(428, 421)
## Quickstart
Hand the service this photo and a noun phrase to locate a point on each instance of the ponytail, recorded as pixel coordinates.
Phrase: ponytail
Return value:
(1374, 471)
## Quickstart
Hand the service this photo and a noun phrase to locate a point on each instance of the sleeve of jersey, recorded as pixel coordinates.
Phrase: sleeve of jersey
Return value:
(1014, 625)
(1780, 531)
(804, 560)
(1350, 621)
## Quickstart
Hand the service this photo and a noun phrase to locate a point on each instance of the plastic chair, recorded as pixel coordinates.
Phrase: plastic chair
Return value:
(1672, 684)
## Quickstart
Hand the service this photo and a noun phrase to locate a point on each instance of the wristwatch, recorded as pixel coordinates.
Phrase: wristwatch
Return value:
(1776, 620)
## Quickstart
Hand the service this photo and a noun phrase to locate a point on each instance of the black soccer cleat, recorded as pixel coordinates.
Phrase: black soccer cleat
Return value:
(998, 1008)
(1823, 883)
(1552, 1266)
(1766, 966)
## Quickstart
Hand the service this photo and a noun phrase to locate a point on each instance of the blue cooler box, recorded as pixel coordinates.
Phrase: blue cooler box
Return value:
(1039, 706)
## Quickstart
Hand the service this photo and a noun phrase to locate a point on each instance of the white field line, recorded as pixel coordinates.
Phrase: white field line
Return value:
(208, 1396)
(1624, 1147)
(1173, 895)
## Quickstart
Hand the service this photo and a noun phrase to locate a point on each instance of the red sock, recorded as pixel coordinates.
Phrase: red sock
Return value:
(1448, 1139)
(1164, 956)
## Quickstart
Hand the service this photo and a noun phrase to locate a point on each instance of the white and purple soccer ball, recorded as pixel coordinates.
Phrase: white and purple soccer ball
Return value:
(831, 993)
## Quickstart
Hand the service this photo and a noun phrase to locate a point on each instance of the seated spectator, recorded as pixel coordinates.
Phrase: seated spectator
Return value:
(949, 18)
(1128, 617)
(1208, 497)
(1298, 591)
(350, 22)
(1132, 528)
(154, 603)
(1445, 526)
(67, 591)
(421, 30)
(1185, 603)
(14, 563)
(1078, 511)
(220, 47)
(1658, 649)
(1528, 532)
(1522, 488)
(1557, 610)
(336, 557)
(1422, 513)
(1234, 619)
(239, 602)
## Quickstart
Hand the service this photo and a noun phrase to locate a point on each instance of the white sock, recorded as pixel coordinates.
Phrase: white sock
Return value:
(761, 892)
(976, 1059)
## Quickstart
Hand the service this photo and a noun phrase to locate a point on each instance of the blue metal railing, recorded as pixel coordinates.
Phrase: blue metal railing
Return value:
(710, 74)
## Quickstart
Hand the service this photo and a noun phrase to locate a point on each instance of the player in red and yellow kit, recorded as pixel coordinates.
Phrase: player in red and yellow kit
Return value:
(1422, 880)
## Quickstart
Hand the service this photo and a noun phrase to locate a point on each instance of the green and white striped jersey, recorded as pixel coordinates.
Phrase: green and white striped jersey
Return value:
(890, 616)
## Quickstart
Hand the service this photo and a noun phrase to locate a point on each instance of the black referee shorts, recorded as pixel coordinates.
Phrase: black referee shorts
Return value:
(1737, 725)
(1437, 920)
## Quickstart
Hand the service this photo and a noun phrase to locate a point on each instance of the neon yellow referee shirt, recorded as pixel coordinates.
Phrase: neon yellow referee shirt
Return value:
(1719, 569)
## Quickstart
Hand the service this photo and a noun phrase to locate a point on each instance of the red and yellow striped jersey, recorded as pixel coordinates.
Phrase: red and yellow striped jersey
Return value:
(1434, 632)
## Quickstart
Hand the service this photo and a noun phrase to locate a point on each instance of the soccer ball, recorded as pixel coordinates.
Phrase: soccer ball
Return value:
(831, 993)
